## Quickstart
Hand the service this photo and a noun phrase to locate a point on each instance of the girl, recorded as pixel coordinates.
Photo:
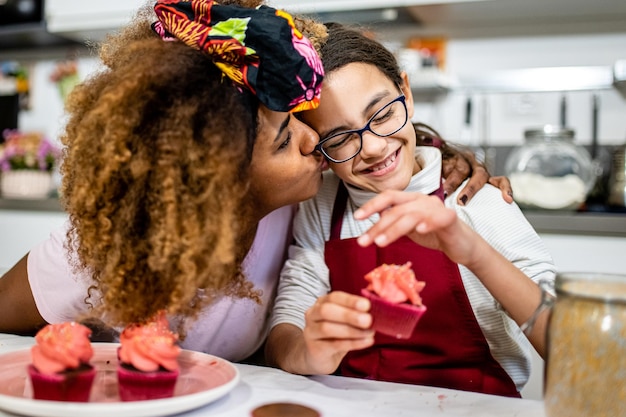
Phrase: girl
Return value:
(378, 192)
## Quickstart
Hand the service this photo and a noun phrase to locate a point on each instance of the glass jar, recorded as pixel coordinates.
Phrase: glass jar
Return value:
(586, 345)
(549, 171)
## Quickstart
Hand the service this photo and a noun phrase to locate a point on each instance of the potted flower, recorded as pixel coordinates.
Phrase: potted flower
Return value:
(26, 164)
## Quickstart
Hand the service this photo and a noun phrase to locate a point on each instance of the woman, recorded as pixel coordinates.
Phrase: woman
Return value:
(180, 186)
(477, 296)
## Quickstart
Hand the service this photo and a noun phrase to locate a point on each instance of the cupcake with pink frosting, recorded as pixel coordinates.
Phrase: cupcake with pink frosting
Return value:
(396, 305)
(148, 361)
(60, 370)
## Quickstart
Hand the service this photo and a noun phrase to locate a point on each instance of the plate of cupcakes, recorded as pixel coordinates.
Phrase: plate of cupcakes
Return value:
(146, 374)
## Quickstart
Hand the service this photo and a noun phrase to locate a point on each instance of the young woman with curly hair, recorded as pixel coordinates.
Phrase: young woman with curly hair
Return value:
(180, 185)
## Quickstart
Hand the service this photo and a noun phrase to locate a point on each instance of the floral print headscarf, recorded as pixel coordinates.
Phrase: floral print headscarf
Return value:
(258, 49)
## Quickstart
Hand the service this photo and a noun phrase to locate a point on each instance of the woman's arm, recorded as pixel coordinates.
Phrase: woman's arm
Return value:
(18, 311)
(459, 164)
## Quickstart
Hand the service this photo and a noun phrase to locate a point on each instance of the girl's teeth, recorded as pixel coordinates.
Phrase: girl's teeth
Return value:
(385, 163)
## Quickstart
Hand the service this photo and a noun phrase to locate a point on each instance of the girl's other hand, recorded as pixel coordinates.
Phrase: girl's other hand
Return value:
(337, 323)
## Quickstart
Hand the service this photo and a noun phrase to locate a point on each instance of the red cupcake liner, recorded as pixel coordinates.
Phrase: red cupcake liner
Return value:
(136, 385)
(392, 319)
(73, 385)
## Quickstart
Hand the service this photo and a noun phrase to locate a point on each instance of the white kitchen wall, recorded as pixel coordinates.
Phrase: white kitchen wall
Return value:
(46, 114)
(21, 230)
(500, 119)
(509, 114)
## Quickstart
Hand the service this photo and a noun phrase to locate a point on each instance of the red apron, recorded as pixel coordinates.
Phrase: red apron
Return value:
(447, 348)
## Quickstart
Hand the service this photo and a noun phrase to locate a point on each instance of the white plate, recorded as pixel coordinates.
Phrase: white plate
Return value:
(203, 379)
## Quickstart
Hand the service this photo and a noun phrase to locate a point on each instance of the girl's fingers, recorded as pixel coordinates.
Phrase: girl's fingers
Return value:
(338, 345)
(393, 223)
(417, 213)
(327, 330)
(340, 308)
(382, 202)
(401, 226)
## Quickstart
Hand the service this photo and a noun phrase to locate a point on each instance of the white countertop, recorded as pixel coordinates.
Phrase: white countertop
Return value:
(335, 396)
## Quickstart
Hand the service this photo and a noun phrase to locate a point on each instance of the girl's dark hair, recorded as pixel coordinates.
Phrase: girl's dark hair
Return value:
(346, 45)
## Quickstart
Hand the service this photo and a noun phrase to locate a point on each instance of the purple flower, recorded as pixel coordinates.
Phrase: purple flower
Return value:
(27, 151)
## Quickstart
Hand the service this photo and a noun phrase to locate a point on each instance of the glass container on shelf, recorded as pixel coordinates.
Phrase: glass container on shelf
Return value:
(549, 171)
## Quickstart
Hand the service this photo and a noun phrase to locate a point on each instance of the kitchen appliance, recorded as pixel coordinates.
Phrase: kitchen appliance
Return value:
(18, 12)
(22, 24)
(617, 178)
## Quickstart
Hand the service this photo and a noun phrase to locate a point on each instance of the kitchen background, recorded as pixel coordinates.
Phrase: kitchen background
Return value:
(484, 63)
(483, 72)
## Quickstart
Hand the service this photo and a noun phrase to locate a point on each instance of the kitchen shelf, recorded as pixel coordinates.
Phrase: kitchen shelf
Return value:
(544, 221)
(526, 80)
(432, 82)
(576, 78)
(577, 223)
(26, 35)
(45, 204)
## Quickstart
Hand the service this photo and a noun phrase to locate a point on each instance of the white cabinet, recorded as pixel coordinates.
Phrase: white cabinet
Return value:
(342, 5)
(91, 19)
(88, 20)
(587, 253)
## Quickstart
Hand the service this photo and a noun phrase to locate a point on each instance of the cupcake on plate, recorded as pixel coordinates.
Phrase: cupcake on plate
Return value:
(396, 305)
(148, 361)
(60, 370)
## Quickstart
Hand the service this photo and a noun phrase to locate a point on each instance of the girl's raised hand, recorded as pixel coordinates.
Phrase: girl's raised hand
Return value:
(422, 218)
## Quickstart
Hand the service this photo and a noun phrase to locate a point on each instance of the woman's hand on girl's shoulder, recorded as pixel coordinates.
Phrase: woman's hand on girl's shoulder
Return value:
(463, 165)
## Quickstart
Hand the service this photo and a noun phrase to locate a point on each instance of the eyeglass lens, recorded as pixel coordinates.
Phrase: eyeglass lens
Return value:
(385, 122)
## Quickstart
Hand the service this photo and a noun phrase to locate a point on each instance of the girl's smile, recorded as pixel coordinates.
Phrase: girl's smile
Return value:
(383, 168)
(358, 95)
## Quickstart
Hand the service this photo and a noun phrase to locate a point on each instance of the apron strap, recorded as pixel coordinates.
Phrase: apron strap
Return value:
(341, 201)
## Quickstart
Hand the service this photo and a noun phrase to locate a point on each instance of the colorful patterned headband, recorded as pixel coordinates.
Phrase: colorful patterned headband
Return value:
(259, 49)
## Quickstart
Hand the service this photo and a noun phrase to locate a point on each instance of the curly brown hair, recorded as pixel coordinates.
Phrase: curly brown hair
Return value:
(155, 178)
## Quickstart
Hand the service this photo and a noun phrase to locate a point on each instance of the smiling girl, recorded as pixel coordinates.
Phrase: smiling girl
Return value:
(383, 203)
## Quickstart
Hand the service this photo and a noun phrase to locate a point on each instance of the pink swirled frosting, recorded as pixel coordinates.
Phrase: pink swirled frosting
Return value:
(150, 346)
(60, 347)
(395, 283)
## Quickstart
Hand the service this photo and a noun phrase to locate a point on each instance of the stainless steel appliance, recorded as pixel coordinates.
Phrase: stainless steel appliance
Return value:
(22, 25)
(617, 180)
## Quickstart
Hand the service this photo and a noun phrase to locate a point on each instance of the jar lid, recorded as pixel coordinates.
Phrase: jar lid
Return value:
(550, 131)
(606, 287)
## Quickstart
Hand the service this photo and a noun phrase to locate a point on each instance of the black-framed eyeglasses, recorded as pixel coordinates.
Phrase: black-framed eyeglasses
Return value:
(343, 146)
